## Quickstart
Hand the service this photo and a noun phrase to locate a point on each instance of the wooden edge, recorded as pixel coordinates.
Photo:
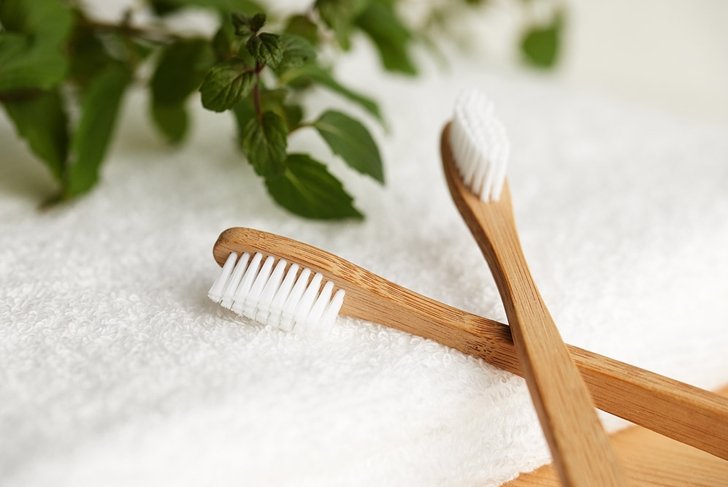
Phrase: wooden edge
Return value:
(649, 460)
(670, 407)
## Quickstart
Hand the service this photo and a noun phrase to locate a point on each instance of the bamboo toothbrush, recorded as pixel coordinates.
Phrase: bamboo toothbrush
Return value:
(677, 410)
(474, 153)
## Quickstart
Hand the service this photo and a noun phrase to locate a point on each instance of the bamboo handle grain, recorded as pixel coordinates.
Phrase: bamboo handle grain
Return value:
(579, 445)
(675, 409)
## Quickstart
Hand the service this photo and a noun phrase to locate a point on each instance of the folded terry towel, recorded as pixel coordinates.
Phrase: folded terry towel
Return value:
(115, 369)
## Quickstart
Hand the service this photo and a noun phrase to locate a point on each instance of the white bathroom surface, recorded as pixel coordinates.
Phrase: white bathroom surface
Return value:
(116, 370)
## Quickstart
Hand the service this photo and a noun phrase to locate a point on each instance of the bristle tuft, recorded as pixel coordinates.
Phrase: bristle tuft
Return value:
(479, 145)
(271, 292)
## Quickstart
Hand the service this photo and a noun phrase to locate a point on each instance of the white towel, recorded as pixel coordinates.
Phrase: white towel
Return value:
(115, 369)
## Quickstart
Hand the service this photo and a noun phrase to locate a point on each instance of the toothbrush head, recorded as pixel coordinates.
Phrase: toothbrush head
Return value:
(479, 145)
(270, 291)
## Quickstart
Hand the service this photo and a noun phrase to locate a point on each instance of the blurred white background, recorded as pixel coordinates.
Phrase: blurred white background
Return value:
(668, 54)
(671, 55)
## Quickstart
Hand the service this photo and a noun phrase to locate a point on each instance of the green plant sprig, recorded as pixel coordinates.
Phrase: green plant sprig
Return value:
(56, 60)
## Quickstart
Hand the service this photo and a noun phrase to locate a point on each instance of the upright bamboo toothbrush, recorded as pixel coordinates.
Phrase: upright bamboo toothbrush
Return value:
(265, 277)
(474, 154)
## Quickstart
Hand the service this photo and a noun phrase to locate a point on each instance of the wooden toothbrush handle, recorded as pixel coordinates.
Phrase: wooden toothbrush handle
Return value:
(685, 413)
(672, 408)
(669, 407)
(579, 445)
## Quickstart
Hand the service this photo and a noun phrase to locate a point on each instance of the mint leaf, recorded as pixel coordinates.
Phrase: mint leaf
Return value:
(256, 22)
(351, 140)
(275, 101)
(99, 110)
(32, 44)
(339, 15)
(171, 120)
(243, 112)
(244, 6)
(41, 120)
(223, 41)
(302, 26)
(264, 144)
(225, 84)
(265, 49)
(245, 25)
(295, 51)
(180, 70)
(241, 23)
(50, 18)
(307, 189)
(315, 73)
(293, 115)
(163, 7)
(540, 45)
(88, 56)
(391, 38)
(270, 100)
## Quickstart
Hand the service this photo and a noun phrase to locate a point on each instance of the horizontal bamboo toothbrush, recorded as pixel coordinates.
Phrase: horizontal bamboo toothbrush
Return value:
(675, 409)
(475, 154)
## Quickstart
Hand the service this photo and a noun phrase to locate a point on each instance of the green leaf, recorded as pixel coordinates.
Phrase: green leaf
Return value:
(163, 7)
(226, 84)
(293, 115)
(243, 112)
(339, 15)
(180, 70)
(223, 42)
(171, 120)
(264, 144)
(50, 18)
(32, 44)
(99, 110)
(243, 6)
(296, 51)
(41, 120)
(540, 44)
(270, 100)
(245, 25)
(352, 141)
(88, 56)
(323, 77)
(257, 21)
(302, 26)
(265, 49)
(307, 189)
(391, 38)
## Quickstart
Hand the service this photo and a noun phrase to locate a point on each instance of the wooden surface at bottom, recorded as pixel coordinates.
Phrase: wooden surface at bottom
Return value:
(649, 459)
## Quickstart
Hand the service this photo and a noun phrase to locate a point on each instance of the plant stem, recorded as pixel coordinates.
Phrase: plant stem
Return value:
(256, 92)
(18, 95)
(302, 125)
(155, 35)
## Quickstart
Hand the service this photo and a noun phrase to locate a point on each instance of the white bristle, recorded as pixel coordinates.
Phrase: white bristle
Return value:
(269, 291)
(479, 145)
(275, 294)
(318, 308)
(288, 314)
(332, 310)
(253, 297)
(279, 300)
(303, 308)
(232, 284)
(218, 286)
(245, 283)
